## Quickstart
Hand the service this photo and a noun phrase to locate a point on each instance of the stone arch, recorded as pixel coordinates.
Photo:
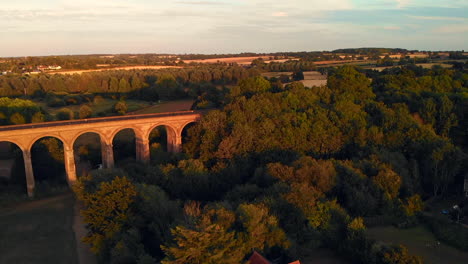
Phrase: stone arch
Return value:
(87, 148)
(122, 147)
(160, 145)
(169, 128)
(12, 165)
(48, 159)
(37, 138)
(79, 134)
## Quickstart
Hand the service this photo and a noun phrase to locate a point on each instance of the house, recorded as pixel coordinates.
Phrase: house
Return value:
(55, 67)
(257, 258)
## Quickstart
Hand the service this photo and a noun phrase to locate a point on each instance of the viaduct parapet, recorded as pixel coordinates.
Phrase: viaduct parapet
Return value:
(24, 136)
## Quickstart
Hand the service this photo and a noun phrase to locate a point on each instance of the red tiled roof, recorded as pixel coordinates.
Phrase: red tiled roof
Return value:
(256, 258)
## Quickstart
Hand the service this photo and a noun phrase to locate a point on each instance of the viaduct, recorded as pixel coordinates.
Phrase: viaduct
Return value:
(24, 136)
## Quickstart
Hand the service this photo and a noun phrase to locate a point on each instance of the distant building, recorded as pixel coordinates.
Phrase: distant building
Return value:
(55, 67)
(48, 67)
(257, 258)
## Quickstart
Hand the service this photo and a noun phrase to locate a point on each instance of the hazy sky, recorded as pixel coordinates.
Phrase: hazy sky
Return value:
(32, 27)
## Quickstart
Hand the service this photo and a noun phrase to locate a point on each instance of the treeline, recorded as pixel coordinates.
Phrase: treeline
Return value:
(287, 66)
(159, 84)
(86, 61)
(283, 170)
(367, 51)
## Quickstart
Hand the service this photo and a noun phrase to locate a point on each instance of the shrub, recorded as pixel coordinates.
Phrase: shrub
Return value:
(65, 114)
(53, 101)
(121, 107)
(38, 117)
(17, 119)
(447, 231)
(85, 111)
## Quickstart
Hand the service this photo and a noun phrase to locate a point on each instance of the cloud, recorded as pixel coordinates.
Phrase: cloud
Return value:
(403, 3)
(201, 3)
(437, 18)
(391, 27)
(280, 14)
(451, 29)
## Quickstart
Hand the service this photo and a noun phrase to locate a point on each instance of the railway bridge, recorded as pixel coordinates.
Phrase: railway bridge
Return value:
(24, 136)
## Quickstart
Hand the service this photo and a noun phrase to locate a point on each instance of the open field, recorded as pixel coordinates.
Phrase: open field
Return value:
(102, 106)
(138, 67)
(39, 232)
(424, 65)
(311, 78)
(238, 60)
(420, 242)
(171, 106)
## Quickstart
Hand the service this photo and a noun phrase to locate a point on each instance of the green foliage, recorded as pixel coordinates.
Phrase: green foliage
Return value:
(349, 84)
(282, 169)
(85, 111)
(65, 114)
(398, 255)
(253, 85)
(121, 107)
(18, 111)
(17, 119)
(107, 209)
(213, 239)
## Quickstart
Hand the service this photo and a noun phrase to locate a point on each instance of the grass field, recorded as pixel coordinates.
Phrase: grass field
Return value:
(39, 232)
(104, 105)
(421, 242)
(171, 106)
(311, 78)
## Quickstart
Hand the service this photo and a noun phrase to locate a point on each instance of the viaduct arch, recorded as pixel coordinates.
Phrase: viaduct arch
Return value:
(24, 136)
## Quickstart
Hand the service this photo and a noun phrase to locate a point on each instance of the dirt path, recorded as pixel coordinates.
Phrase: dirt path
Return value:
(85, 256)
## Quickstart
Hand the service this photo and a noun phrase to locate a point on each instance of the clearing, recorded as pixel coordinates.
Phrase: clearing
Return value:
(421, 242)
(39, 232)
(170, 106)
(311, 78)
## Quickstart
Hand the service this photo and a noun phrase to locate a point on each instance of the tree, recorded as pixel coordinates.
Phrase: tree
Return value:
(107, 208)
(298, 76)
(349, 84)
(398, 255)
(120, 107)
(389, 182)
(17, 119)
(85, 111)
(253, 85)
(209, 241)
(65, 114)
(38, 117)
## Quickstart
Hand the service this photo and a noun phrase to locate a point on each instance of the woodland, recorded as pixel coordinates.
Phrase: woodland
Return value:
(273, 166)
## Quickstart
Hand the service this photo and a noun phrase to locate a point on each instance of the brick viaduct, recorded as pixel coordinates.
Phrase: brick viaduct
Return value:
(24, 136)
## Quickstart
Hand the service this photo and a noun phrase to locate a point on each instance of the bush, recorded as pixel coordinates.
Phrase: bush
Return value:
(121, 107)
(17, 119)
(53, 101)
(85, 111)
(65, 114)
(447, 231)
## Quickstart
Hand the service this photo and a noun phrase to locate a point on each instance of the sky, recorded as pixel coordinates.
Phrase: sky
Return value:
(60, 27)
